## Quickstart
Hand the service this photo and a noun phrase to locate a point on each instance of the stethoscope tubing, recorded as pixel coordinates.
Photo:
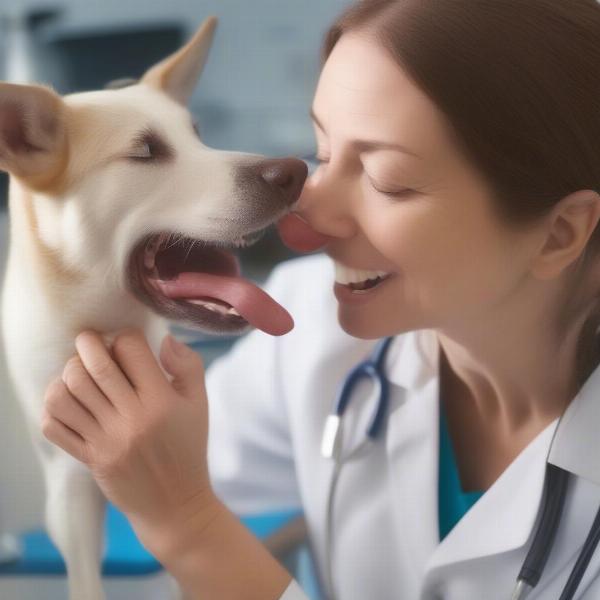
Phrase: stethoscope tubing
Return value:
(583, 560)
(550, 513)
(372, 369)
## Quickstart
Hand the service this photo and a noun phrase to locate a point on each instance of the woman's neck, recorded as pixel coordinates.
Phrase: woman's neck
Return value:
(482, 448)
(512, 379)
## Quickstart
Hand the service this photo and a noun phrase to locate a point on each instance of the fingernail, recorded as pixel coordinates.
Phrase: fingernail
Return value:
(178, 348)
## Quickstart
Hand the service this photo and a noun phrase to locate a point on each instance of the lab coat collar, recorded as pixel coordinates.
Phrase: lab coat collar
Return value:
(500, 521)
(575, 445)
(503, 518)
(412, 361)
(514, 498)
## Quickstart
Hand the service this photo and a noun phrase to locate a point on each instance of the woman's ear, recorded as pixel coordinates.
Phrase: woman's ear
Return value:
(570, 226)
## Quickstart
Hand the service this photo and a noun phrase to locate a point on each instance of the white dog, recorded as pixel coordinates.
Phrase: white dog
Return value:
(120, 217)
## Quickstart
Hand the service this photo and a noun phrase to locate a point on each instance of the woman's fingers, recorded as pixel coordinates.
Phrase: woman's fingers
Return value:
(84, 389)
(58, 433)
(62, 405)
(132, 352)
(104, 371)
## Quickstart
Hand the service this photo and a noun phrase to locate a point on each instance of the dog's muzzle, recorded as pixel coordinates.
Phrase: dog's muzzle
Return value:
(199, 282)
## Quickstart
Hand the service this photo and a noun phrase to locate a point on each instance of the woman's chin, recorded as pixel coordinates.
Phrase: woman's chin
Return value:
(373, 327)
(361, 326)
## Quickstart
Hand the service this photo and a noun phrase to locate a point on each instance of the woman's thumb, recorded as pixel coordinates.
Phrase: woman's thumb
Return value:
(184, 365)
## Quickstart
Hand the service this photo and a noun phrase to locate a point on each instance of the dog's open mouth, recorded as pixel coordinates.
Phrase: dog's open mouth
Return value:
(200, 283)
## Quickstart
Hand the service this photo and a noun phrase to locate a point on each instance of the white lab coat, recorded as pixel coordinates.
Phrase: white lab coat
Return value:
(269, 398)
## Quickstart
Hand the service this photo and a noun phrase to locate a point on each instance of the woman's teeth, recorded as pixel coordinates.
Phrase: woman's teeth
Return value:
(357, 278)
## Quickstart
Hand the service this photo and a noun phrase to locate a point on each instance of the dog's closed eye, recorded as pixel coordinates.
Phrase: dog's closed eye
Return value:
(149, 146)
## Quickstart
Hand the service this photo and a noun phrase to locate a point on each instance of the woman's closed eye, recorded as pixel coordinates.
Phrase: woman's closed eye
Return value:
(321, 158)
(387, 190)
(398, 194)
(392, 191)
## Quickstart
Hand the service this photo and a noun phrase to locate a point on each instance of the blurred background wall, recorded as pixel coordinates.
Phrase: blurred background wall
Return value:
(256, 90)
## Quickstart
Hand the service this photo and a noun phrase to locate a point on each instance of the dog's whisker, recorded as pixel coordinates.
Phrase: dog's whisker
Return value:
(176, 237)
(110, 275)
(169, 243)
(188, 252)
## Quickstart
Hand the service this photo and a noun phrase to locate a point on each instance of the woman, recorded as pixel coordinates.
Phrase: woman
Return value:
(458, 193)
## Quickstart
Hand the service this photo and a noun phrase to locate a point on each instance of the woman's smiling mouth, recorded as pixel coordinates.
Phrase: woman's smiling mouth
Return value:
(350, 284)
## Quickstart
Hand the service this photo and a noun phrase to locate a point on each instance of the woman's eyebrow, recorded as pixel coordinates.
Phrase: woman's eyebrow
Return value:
(368, 145)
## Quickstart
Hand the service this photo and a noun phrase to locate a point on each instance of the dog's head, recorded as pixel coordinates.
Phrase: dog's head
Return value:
(120, 183)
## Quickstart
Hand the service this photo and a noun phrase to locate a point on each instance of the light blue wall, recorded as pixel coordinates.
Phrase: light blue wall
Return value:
(262, 71)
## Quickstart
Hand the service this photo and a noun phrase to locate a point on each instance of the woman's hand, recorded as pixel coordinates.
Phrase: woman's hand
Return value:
(142, 433)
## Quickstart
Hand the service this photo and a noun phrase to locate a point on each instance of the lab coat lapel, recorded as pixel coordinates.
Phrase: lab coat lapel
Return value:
(515, 497)
(503, 518)
(575, 446)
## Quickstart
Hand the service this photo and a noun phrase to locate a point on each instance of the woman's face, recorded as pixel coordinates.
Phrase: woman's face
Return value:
(420, 213)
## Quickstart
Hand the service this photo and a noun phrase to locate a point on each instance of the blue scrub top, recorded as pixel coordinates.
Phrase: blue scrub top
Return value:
(452, 501)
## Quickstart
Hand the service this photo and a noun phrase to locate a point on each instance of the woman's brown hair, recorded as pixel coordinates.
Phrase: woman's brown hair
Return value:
(519, 84)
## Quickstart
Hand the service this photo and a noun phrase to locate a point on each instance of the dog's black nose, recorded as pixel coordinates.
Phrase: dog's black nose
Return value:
(285, 174)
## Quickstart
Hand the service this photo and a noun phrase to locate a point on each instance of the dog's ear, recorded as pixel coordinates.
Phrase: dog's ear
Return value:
(178, 74)
(32, 130)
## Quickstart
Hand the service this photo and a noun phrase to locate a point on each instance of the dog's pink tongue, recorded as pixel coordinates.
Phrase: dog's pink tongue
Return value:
(255, 305)
(298, 235)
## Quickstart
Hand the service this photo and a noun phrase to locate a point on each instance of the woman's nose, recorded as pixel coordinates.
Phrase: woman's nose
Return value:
(325, 204)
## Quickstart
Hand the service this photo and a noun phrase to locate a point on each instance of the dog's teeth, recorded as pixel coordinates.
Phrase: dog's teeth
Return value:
(150, 251)
(204, 304)
(218, 308)
(149, 260)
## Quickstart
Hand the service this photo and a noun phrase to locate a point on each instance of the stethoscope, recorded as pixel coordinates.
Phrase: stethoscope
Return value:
(551, 505)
